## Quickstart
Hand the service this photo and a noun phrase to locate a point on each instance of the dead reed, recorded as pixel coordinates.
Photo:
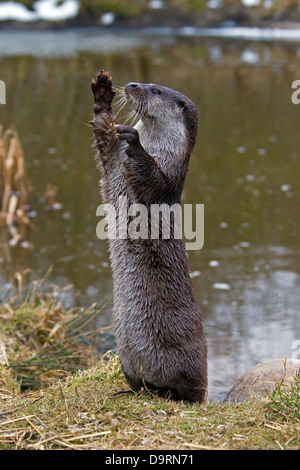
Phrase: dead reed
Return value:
(15, 187)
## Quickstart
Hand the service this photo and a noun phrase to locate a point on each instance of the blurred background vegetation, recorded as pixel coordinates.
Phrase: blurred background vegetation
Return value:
(202, 12)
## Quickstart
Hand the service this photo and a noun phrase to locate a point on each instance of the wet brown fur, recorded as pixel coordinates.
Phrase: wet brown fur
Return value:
(158, 326)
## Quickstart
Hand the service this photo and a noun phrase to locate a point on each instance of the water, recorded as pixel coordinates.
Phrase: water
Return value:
(245, 170)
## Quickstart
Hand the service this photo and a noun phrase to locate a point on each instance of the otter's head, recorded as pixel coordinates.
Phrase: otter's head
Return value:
(164, 106)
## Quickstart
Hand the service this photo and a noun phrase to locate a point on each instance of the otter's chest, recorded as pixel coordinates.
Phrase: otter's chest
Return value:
(163, 142)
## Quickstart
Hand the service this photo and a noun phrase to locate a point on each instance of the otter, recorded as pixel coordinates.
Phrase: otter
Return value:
(157, 323)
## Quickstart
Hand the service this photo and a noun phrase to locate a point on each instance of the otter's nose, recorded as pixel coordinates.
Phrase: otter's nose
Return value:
(132, 85)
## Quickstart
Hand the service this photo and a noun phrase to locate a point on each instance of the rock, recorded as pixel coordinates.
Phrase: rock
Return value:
(262, 379)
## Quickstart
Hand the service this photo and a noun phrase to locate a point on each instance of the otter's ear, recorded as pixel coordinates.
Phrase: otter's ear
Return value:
(182, 103)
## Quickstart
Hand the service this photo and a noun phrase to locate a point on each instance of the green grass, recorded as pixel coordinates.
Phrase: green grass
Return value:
(284, 402)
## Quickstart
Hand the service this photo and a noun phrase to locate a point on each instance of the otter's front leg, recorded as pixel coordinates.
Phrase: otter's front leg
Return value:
(131, 136)
(103, 93)
(104, 120)
(150, 185)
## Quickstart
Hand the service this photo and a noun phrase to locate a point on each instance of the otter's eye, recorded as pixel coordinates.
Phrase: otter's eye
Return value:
(155, 91)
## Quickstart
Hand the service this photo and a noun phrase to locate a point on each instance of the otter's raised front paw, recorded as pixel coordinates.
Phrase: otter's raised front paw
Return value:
(103, 92)
(130, 135)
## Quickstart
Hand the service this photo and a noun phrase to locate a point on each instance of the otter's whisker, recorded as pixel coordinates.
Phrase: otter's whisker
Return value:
(129, 116)
(120, 89)
(119, 105)
(135, 117)
(120, 98)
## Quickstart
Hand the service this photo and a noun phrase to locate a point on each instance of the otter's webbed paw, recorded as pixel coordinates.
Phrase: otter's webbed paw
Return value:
(131, 136)
(103, 92)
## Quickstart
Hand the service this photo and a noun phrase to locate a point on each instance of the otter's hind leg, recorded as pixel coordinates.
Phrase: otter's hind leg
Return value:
(191, 391)
(135, 383)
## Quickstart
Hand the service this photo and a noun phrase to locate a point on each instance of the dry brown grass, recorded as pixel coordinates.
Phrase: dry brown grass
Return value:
(56, 392)
(41, 341)
(79, 412)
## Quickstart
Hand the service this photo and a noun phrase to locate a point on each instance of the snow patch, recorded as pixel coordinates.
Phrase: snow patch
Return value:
(108, 18)
(47, 10)
(16, 11)
(250, 57)
(251, 3)
(156, 4)
(221, 286)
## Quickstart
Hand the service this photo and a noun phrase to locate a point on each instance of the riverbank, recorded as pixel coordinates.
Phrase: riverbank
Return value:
(79, 412)
(56, 393)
